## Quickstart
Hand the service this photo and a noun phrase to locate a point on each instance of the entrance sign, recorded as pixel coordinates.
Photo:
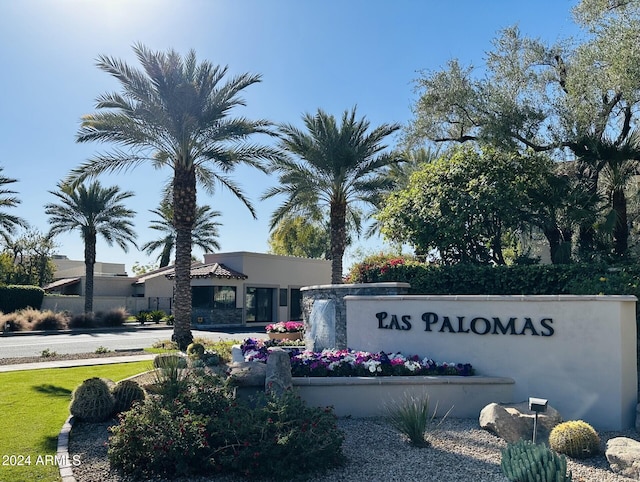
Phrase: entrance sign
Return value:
(579, 352)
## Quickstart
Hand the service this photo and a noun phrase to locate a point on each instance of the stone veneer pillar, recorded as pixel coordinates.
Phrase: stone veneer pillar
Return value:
(336, 293)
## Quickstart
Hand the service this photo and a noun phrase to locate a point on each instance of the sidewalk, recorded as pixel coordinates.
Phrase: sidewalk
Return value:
(76, 363)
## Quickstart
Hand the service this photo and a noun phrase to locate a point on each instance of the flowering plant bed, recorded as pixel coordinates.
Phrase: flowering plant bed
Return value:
(349, 363)
(285, 327)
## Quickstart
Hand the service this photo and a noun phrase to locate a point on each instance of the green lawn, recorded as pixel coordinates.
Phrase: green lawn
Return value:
(34, 404)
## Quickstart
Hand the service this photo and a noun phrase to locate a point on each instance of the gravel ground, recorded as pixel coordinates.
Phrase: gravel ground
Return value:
(460, 451)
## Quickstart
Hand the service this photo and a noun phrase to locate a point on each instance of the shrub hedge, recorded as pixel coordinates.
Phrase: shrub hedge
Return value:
(462, 279)
(17, 297)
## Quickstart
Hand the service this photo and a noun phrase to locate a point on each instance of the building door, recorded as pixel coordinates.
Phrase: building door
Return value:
(259, 305)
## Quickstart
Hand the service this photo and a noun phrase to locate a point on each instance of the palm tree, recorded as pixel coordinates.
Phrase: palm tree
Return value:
(175, 114)
(334, 167)
(8, 222)
(93, 210)
(615, 164)
(204, 234)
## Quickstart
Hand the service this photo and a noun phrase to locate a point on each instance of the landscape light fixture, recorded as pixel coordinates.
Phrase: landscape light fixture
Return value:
(537, 405)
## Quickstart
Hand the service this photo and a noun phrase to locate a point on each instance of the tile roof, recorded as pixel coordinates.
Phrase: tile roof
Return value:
(212, 270)
(60, 283)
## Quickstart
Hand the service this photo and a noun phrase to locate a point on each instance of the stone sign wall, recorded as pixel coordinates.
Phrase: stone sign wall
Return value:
(579, 352)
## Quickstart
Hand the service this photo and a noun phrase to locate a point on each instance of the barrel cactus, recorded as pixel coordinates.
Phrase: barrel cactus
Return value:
(575, 438)
(125, 393)
(525, 461)
(92, 401)
(195, 350)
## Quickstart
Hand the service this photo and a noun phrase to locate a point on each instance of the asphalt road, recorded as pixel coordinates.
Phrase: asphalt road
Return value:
(32, 345)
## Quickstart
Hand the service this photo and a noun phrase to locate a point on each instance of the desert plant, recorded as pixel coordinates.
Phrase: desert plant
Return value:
(170, 320)
(412, 418)
(50, 320)
(167, 360)
(101, 349)
(156, 316)
(83, 320)
(142, 317)
(575, 438)
(125, 393)
(170, 375)
(46, 353)
(525, 461)
(114, 317)
(92, 401)
(195, 350)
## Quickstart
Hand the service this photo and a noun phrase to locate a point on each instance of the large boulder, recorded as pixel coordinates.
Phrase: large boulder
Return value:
(278, 375)
(248, 374)
(514, 421)
(623, 455)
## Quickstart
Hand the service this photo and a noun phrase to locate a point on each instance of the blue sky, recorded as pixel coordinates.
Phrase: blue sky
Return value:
(328, 54)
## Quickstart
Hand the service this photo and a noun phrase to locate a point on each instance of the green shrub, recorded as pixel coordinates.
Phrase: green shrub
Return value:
(525, 461)
(170, 320)
(271, 438)
(157, 439)
(125, 393)
(156, 316)
(195, 350)
(92, 401)
(575, 438)
(142, 317)
(204, 430)
(412, 418)
(17, 297)
(577, 279)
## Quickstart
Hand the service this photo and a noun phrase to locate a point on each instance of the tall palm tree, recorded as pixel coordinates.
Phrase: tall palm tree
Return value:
(335, 167)
(8, 222)
(204, 234)
(174, 113)
(93, 210)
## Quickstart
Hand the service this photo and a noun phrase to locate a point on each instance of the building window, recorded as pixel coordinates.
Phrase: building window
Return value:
(224, 297)
(259, 305)
(283, 297)
(201, 296)
(295, 311)
(213, 297)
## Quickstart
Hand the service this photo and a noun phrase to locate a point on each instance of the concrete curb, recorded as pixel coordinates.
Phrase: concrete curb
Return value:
(62, 454)
(81, 362)
(78, 331)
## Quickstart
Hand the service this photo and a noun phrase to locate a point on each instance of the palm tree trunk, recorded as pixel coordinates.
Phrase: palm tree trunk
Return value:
(184, 205)
(621, 230)
(89, 264)
(337, 225)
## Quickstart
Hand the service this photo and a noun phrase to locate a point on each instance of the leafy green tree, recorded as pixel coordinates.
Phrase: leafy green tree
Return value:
(462, 206)
(29, 256)
(140, 269)
(8, 222)
(175, 114)
(298, 236)
(204, 234)
(335, 168)
(92, 210)
(543, 97)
